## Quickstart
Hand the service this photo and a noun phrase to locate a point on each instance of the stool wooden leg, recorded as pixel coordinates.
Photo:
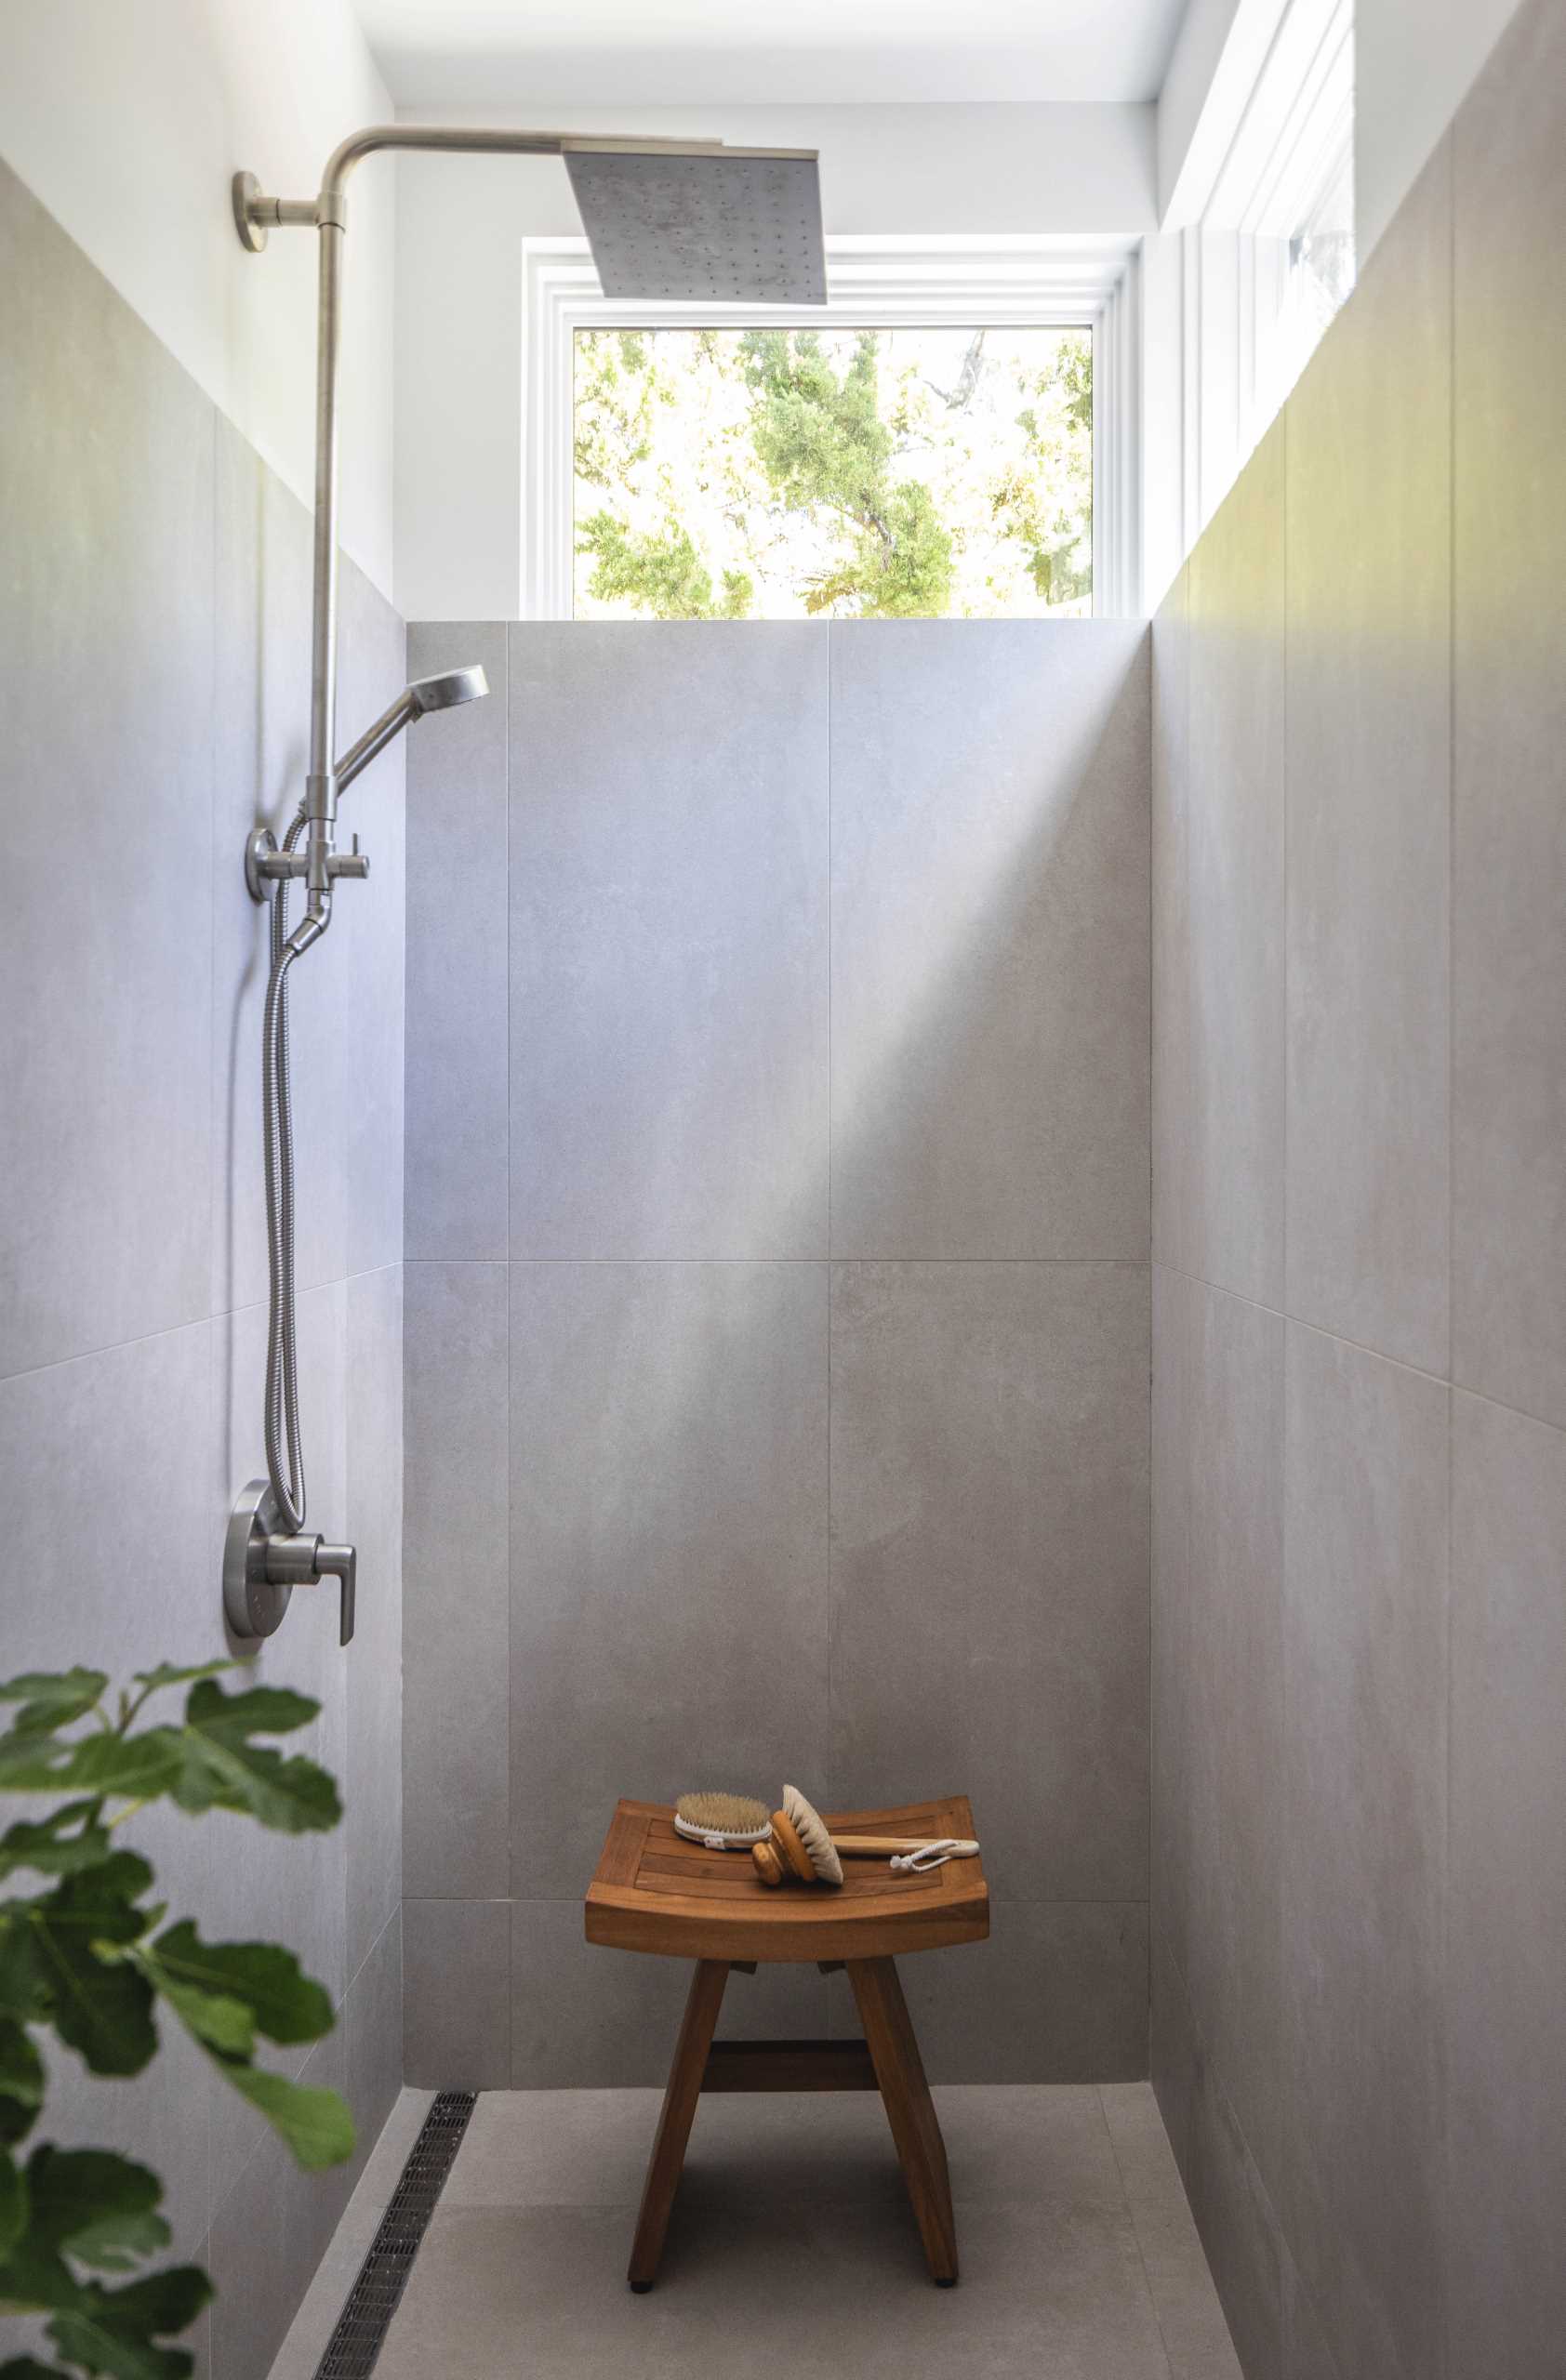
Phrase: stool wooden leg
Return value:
(911, 2111)
(667, 2159)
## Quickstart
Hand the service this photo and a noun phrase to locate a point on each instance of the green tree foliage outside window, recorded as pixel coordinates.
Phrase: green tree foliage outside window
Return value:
(871, 474)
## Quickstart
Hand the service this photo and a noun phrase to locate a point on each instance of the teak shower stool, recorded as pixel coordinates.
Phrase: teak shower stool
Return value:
(654, 1891)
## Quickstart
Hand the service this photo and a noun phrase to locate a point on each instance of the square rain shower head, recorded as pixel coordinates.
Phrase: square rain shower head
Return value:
(739, 226)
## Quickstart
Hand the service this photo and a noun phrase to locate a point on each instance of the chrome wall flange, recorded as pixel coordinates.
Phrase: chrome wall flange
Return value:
(246, 193)
(259, 846)
(253, 1602)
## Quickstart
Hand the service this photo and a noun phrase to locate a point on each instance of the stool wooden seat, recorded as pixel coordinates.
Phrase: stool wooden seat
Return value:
(654, 1891)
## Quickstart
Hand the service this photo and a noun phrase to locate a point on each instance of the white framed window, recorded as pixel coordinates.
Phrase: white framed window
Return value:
(1013, 284)
(1272, 255)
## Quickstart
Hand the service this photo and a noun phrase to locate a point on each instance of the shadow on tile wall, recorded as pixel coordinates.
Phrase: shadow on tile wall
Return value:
(154, 623)
(778, 1345)
(1358, 1901)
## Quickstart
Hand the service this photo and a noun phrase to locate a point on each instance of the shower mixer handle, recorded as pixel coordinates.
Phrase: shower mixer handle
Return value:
(263, 1565)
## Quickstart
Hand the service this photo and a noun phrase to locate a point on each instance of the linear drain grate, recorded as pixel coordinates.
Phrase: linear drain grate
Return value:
(364, 2321)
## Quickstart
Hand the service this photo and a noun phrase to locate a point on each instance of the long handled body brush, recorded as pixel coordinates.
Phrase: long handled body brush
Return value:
(799, 1845)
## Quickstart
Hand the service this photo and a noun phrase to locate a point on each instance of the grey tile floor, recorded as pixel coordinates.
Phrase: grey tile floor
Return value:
(793, 2253)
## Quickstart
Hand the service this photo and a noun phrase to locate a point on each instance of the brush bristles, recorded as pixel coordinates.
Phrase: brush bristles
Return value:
(811, 1828)
(722, 1813)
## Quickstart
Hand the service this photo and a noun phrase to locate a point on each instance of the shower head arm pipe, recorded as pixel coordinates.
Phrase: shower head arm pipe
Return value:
(255, 214)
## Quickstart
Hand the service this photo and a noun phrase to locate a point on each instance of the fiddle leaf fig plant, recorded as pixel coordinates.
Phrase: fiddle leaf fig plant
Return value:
(88, 1955)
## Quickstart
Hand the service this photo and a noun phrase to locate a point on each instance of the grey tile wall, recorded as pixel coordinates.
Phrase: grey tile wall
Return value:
(668, 940)
(153, 677)
(455, 1166)
(1509, 1286)
(845, 1489)
(1369, 439)
(1506, 1905)
(990, 942)
(1358, 1896)
(1233, 1119)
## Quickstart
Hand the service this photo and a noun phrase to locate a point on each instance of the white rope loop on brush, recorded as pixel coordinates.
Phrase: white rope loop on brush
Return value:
(933, 1855)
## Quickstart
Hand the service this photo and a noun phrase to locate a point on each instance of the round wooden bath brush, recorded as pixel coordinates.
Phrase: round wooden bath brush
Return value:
(801, 1847)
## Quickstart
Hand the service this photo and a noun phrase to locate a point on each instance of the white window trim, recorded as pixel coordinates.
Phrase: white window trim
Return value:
(1015, 280)
(1264, 146)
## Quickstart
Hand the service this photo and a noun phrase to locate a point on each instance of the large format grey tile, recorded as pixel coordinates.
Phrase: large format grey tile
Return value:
(1369, 697)
(369, 916)
(1235, 2218)
(456, 1597)
(1172, 1695)
(106, 626)
(1238, 2226)
(300, 1877)
(248, 2258)
(989, 939)
(1508, 1123)
(1171, 980)
(1058, 1993)
(456, 1962)
(1365, 1704)
(1233, 1716)
(1506, 1895)
(668, 939)
(83, 1446)
(455, 1171)
(372, 2022)
(669, 1559)
(1306, 2353)
(1235, 1114)
(1172, 2051)
(990, 1559)
(590, 2147)
(260, 754)
(269, 2235)
(756, 2289)
(1190, 2319)
(373, 1777)
(584, 2015)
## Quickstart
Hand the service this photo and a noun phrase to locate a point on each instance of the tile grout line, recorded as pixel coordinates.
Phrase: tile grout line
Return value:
(763, 1257)
(510, 693)
(825, 1981)
(1445, 2304)
(1324, 1330)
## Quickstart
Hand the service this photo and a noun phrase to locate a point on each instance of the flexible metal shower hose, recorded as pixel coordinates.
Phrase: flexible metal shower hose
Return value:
(277, 1125)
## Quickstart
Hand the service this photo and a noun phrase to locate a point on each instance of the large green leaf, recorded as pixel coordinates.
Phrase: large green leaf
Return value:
(56, 1844)
(22, 2367)
(316, 2125)
(170, 1673)
(21, 2079)
(94, 2206)
(51, 1698)
(113, 2332)
(225, 1768)
(101, 2006)
(282, 2000)
(22, 1993)
(13, 2205)
(136, 1766)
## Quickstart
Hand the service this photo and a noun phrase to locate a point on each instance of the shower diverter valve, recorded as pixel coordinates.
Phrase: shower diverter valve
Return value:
(262, 1566)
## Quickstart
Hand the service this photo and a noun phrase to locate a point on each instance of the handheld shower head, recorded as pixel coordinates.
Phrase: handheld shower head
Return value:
(441, 692)
(451, 687)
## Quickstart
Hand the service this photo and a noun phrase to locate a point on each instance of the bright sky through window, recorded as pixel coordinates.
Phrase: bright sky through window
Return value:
(780, 474)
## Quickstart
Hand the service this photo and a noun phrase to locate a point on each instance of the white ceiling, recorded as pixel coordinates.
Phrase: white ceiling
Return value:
(542, 53)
